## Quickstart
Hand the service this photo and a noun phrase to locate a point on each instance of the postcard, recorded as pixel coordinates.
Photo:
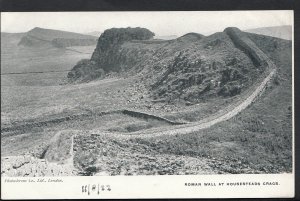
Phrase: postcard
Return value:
(168, 104)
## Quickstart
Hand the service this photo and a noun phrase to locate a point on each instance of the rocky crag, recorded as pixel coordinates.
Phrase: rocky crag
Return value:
(192, 68)
(108, 57)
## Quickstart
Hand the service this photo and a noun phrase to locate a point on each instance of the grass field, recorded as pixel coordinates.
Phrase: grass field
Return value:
(28, 95)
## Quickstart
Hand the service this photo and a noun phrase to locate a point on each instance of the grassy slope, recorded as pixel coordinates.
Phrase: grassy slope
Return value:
(260, 137)
(29, 95)
(258, 140)
(20, 59)
(22, 93)
(284, 32)
(101, 156)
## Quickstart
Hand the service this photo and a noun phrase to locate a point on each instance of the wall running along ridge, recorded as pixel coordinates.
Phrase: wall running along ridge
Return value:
(242, 42)
(259, 57)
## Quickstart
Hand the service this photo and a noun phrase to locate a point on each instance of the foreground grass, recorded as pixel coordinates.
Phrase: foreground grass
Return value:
(258, 140)
(260, 137)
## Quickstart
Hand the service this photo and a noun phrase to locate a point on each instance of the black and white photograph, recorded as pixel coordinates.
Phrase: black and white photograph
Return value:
(91, 94)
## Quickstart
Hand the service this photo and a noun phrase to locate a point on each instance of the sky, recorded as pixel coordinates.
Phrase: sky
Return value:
(161, 23)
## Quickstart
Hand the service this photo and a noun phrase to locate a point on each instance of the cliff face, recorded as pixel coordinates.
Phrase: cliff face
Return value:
(109, 55)
(109, 45)
(129, 50)
(191, 68)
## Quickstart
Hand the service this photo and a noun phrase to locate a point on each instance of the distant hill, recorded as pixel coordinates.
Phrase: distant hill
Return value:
(284, 32)
(9, 40)
(190, 37)
(94, 33)
(6, 34)
(11, 37)
(167, 37)
(38, 37)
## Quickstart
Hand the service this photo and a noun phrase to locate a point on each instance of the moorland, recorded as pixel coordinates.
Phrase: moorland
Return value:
(133, 105)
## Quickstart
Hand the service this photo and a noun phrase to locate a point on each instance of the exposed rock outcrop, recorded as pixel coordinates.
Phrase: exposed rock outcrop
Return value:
(110, 42)
(107, 56)
(191, 68)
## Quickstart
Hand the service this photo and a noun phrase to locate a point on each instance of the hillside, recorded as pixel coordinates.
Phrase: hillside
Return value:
(38, 37)
(283, 32)
(257, 140)
(10, 39)
(166, 37)
(150, 106)
(192, 68)
(94, 33)
(11, 36)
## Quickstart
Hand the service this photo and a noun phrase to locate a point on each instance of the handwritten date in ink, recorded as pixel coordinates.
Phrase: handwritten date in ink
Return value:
(94, 188)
